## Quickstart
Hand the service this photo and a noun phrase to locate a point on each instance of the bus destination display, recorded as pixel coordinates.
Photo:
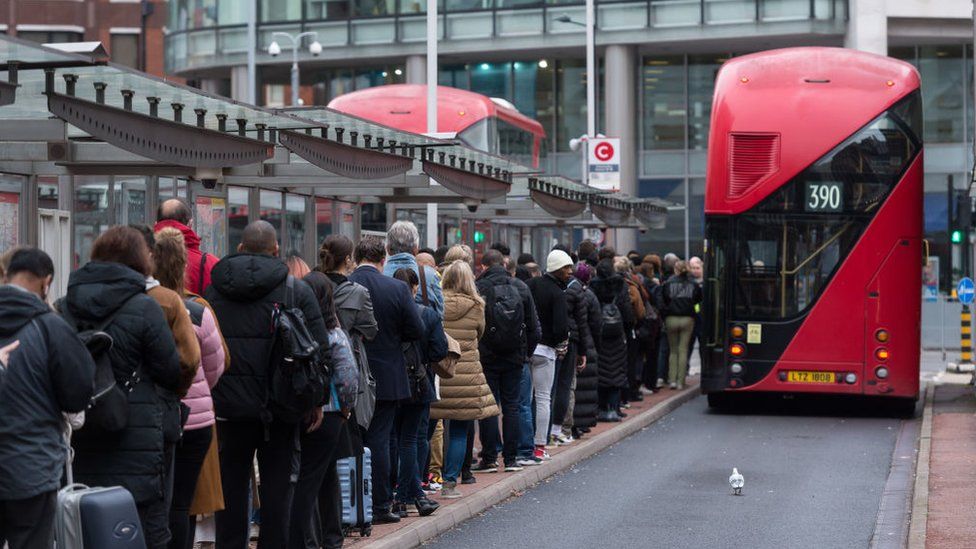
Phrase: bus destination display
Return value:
(824, 197)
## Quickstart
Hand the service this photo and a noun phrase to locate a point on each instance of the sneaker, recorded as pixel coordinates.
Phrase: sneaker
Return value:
(513, 467)
(434, 486)
(450, 490)
(621, 414)
(541, 453)
(399, 508)
(468, 479)
(562, 440)
(425, 507)
(672, 386)
(528, 462)
(660, 382)
(608, 416)
(482, 467)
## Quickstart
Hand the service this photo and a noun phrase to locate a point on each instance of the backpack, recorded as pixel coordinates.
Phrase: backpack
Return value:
(108, 409)
(613, 321)
(298, 381)
(504, 319)
(416, 370)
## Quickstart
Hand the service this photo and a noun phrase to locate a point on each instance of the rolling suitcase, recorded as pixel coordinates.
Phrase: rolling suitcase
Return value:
(355, 483)
(95, 518)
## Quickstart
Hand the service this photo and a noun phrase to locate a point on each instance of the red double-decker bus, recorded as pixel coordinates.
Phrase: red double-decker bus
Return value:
(483, 123)
(813, 212)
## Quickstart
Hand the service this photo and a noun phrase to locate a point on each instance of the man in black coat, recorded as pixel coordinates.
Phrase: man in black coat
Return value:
(245, 287)
(548, 292)
(503, 369)
(49, 373)
(398, 322)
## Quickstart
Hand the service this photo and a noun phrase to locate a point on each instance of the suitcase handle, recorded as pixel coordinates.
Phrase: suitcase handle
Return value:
(74, 487)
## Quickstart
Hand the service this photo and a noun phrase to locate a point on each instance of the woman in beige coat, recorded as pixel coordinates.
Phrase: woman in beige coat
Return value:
(465, 397)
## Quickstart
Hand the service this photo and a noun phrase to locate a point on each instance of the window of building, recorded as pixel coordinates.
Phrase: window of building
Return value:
(570, 102)
(327, 9)
(663, 82)
(942, 72)
(237, 215)
(51, 37)
(372, 8)
(492, 79)
(702, 70)
(125, 49)
(279, 10)
(231, 12)
(194, 14)
(271, 210)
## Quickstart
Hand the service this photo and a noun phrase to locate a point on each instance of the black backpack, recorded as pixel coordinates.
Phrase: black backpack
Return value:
(416, 370)
(108, 410)
(613, 322)
(504, 319)
(298, 381)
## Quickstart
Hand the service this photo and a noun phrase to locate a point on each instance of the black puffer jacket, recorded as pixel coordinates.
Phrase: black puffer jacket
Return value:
(550, 303)
(579, 328)
(243, 290)
(612, 350)
(50, 373)
(132, 458)
(586, 400)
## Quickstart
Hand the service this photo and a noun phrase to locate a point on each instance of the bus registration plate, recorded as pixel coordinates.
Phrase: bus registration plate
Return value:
(798, 376)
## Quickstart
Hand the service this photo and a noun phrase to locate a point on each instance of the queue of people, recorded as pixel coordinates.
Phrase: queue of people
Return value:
(417, 355)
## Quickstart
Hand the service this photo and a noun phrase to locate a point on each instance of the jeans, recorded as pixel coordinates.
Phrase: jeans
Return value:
(378, 440)
(279, 460)
(457, 441)
(543, 371)
(504, 379)
(562, 387)
(190, 452)
(526, 414)
(408, 422)
(28, 523)
(423, 443)
(680, 329)
(318, 462)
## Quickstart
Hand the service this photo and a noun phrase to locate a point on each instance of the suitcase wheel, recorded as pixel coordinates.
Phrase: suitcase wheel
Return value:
(366, 531)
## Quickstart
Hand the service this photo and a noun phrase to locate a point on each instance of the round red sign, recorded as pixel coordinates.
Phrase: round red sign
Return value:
(603, 151)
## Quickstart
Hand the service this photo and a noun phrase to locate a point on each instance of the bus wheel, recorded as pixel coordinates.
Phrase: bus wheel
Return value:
(719, 401)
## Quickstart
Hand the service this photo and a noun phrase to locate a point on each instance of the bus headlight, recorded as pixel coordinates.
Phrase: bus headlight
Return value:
(851, 378)
(736, 368)
(881, 372)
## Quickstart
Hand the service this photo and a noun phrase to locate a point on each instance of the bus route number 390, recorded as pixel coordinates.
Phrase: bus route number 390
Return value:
(823, 197)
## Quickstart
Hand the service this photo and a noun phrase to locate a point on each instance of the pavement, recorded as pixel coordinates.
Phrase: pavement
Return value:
(951, 488)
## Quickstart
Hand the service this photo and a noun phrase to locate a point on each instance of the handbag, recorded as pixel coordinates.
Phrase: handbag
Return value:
(448, 365)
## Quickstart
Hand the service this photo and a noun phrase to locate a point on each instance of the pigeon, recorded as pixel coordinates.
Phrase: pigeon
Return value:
(736, 481)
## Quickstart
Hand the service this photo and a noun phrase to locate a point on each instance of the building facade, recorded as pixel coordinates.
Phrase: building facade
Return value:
(657, 63)
(118, 24)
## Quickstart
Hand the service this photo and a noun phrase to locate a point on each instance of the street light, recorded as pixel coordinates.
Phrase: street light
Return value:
(590, 26)
(274, 50)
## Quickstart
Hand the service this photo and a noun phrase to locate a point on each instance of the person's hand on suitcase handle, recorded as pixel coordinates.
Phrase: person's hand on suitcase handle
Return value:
(314, 419)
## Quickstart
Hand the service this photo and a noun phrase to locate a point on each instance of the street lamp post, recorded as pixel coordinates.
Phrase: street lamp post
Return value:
(591, 75)
(274, 49)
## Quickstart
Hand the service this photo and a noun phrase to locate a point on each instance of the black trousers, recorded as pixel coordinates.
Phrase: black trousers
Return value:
(563, 385)
(278, 463)
(649, 372)
(28, 523)
(318, 480)
(378, 440)
(635, 364)
(190, 453)
(504, 379)
(609, 398)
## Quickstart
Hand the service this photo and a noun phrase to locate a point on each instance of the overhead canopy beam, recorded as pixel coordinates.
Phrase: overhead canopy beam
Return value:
(156, 138)
(342, 159)
(612, 211)
(474, 185)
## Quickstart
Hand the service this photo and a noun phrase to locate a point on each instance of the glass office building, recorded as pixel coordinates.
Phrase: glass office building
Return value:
(664, 53)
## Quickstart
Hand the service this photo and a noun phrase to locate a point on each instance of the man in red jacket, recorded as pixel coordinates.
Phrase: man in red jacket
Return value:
(175, 213)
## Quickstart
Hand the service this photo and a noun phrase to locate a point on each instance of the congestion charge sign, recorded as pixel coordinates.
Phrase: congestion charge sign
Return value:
(965, 291)
(603, 163)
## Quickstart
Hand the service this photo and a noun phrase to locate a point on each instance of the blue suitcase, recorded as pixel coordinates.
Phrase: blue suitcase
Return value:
(356, 486)
(97, 518)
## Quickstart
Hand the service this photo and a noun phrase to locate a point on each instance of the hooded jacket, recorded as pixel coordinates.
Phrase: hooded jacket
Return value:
(132, 458)
(243, 291)
(435, 297)
(194, 257)
(495, 276)
(466, 396)
(50, 373)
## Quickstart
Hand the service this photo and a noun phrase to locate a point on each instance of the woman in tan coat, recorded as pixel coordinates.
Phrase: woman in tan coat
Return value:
(465, 397)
